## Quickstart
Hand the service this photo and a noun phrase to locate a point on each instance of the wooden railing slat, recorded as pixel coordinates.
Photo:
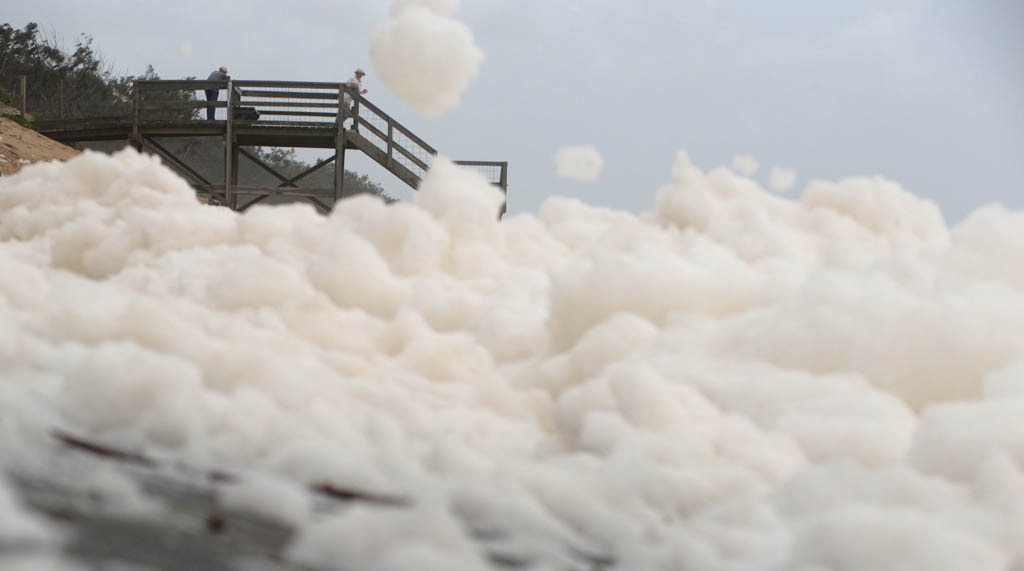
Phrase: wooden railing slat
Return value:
(289, 94)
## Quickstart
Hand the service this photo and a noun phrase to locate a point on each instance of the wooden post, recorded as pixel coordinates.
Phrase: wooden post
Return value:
(503, 181)
(391, 143)
(235, 151)
(339, 169)
(503, 177)
(356, 97)
(339, 147)
(229, 152)
(60, 96)
(24, 81)
(136, 116)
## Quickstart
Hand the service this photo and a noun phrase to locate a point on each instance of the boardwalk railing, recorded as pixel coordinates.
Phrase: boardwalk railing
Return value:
(299, 106)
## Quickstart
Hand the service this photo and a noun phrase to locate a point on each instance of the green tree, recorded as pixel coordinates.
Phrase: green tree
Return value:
(60, 84)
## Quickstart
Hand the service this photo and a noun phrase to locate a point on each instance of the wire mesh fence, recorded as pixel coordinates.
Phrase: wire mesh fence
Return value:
(292, 103)
(495, 172)
(58, 97)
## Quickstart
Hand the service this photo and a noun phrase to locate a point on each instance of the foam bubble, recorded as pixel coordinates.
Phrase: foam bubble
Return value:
(782, 179)
(426, 57)
(185, 50)
(746, 165)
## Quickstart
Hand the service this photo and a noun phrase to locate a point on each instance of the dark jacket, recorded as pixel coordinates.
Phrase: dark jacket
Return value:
(218, 75)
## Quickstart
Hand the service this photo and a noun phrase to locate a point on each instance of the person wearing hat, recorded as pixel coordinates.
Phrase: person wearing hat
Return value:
(356, 83)
(212, 94)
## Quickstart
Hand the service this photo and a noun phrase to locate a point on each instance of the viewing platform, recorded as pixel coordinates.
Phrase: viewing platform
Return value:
(250, 114)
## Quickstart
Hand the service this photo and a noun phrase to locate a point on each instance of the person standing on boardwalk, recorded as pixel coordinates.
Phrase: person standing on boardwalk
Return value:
(212, 94)
(356, 83)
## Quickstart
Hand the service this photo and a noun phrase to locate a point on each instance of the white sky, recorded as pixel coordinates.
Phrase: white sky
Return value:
(927, 92)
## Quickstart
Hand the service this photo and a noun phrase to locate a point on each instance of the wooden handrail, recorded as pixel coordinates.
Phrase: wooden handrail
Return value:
(412, 136)
(289, 94)
(179, 84)
(286, 84)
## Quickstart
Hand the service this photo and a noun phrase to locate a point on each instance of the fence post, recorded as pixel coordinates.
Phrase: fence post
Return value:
(391, 142)
(136, 116)
(503, 182)
(339, 147)
(229, 151)
(60, 97)
(24, 80)
(356, 97)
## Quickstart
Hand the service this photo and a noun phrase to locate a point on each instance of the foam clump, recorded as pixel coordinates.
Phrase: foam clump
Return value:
(425, 55)
(782, 179)
(582, 163)
(730, 380)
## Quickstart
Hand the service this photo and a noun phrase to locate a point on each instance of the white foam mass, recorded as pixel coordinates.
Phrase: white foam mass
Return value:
(20, 528)
(733, 380)
(583, 163)
(782, 179)
(424, 55)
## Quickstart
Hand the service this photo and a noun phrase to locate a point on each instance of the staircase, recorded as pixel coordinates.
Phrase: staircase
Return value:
(364, 127)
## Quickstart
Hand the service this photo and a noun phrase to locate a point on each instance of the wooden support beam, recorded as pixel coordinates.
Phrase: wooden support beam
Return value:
(324, 193)
(229, 152)
(256, 200)
(339, 148)
(234, 173)
(197, 179)
(318, 202)
(391, 144)
(137, 118)
(503, 183)
(284, 181)
(256, 160)
(307, 172)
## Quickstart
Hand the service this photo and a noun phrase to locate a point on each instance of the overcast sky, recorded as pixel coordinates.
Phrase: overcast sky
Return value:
(927, 92)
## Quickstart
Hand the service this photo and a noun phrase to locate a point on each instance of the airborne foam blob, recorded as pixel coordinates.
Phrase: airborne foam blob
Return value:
(746, 165)
(580, 163)
(185, 50)
(426, 57)
(782, 179)
(733, 380)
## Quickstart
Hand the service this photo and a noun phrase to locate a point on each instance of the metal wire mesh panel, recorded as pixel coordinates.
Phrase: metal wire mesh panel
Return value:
(390, 138)
(494, 172)
(276, 103)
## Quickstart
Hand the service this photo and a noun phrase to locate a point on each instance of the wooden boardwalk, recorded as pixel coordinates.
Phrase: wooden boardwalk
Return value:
(290, 114)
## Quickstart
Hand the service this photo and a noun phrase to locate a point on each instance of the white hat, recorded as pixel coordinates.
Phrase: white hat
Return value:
(359, 71)
(224, 69)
